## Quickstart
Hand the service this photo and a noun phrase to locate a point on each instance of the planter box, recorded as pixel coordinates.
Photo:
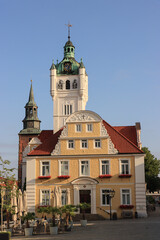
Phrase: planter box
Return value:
(105, 176)
(44, 177)
(83, 223)
(125, 175)
(53, 230)
(64, 177)
(5, 235)
(28, 231)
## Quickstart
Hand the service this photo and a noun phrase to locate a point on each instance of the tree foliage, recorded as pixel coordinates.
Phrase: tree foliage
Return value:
(7, 182)
(152, 169)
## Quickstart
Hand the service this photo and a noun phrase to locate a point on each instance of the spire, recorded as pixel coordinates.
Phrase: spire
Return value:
(53, 65)
(31, 123)
(31, 101)
(81, 64)
(68, 25)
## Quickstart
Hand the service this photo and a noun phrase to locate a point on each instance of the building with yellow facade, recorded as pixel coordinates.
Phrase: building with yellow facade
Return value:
(84, 157)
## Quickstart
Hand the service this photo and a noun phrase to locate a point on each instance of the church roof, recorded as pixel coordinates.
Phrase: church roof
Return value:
(124, 139)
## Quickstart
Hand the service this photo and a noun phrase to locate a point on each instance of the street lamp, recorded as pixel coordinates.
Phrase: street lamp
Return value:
(110, 193)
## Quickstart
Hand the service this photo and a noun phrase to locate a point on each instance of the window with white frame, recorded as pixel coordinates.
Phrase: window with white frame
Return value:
(45, 168)
(126, 196)
(105, 199)
(45, 197)
(84, 168)
(64, 168)
(63, 197)
(124, 166)
(78, 127)
(97, 143)
(104, 167)
(68, 109)
(84, 143)
(71, 144)
(89, 127)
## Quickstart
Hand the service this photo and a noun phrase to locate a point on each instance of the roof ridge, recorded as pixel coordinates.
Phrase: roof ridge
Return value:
(123, 137)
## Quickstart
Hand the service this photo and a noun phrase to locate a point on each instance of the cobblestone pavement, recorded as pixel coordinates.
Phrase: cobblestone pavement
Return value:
(139, 229)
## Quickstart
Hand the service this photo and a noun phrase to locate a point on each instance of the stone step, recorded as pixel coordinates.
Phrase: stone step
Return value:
(89, 217)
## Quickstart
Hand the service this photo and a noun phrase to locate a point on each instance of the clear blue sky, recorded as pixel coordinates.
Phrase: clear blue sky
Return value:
(119, 41)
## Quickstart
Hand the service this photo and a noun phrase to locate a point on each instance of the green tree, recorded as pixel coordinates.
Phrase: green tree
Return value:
(7, 182)
(152, 168)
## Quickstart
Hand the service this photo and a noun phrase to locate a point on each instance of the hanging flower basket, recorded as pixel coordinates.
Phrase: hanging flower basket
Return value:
(63, 176)
(105, 176)
(126, 206)
(44, 177)
(125, 175)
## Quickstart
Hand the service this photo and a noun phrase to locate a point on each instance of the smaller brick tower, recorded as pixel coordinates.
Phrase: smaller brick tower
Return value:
(31, 128)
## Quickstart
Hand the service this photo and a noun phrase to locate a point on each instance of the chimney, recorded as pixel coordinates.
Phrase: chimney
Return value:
(138, 130)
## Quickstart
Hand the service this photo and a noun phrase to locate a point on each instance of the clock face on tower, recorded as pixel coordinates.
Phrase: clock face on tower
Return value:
(67, 67)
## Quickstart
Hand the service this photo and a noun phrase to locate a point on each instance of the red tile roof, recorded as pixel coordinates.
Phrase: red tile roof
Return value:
(121, 143)
(129, 132)
(47, 146)
(45, 134)
(124, 139)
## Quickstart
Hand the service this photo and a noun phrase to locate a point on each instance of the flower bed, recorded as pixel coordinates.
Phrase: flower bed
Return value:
(126, 206)
(125, 175)
(105, 176)
(63, 176)
(44, 177)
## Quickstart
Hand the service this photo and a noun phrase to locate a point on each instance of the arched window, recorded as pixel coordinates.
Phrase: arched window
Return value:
(60, 84)
(67, 84)
(74, 86)
(68, 49)
(30, 111)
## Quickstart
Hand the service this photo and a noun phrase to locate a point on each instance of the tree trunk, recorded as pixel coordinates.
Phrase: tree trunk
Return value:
(7, 216)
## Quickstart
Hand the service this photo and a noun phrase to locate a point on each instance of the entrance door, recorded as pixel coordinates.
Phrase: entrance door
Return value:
(85, 196)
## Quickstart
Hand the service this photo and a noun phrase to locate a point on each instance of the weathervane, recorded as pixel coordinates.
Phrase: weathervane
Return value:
(68, 25)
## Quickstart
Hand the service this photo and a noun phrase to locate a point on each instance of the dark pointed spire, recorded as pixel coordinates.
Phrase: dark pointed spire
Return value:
(31, 123)
(31, 101)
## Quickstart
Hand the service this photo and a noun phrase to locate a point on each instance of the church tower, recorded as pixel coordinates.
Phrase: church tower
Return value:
(68, 86)
(31, 128)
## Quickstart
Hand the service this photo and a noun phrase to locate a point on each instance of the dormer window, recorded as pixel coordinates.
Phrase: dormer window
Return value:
(67, 84)
(74, 86)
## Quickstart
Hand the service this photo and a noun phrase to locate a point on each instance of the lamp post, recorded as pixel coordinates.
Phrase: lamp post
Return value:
(110, 193)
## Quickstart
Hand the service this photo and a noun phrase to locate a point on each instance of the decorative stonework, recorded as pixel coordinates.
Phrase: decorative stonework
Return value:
(57, 149)
(84, 116)
(104, 133)
(64, 133)
(111, 148)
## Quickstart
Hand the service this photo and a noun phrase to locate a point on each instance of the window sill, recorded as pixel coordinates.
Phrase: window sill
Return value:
(44, 177)
(64, 177)
(125, 175)
(105, 176)
(126, 206)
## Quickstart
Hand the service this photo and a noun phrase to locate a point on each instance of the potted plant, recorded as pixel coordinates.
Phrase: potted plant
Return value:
(29, 216)
(9, 210)
(54, 211)
(83, 207)
(69, 211)
(42, 210)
